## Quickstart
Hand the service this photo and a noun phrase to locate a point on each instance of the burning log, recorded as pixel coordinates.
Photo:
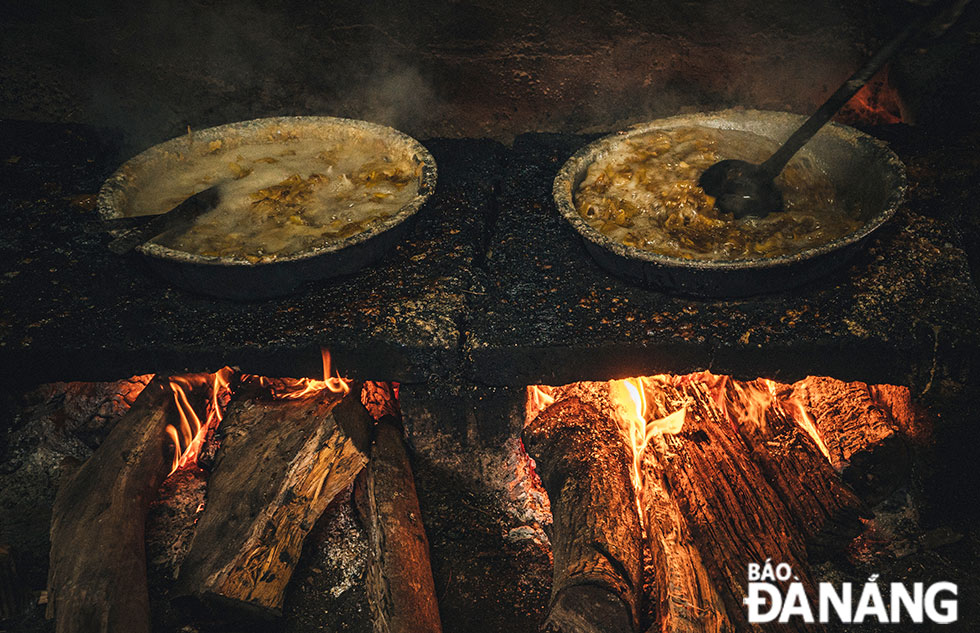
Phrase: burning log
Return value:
(294, 454)
(97, 575)
(584, 464)
(401, 593)
(791, 451)
(748, 491)
(911, 420)
(684, 598)
(862, 440)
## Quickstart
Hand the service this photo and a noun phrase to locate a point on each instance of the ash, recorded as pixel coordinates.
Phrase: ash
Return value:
(327, 590)
(56, 428)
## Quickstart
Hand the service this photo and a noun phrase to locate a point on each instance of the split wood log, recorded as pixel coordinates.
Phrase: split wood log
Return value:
(745, 492)
(596, 539)
(400, 589)
(683, 596)
(97, 574)
(280, 464)
(863, 442)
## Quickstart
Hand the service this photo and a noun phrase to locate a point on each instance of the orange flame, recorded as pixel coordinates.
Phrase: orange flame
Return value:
(749, 401)
(539, 398)
(188, 438)
(807, 425)
(629, 396)
(296, 388)
(740, 402)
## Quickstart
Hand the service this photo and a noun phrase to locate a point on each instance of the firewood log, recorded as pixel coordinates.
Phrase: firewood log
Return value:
(861, 437)
(747, 491)
(400, 589)
(97, 575)
(280, 464)
(683, 596)
(584, 464)
(910, 419)
(821, 508)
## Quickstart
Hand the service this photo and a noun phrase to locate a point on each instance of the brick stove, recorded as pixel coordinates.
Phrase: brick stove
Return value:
(491, 293)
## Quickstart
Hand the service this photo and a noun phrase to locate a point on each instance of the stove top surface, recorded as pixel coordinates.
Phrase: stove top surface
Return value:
(491, 286)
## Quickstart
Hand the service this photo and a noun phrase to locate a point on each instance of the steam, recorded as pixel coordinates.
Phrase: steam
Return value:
(454, 69)
(400, 98)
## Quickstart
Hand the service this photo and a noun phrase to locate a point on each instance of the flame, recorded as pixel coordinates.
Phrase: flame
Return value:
(629, 396)
(807, 425)
(188, 438)
(296, 388)
(749, 401)
(539, 398)
(740, 402)
(190, 433)
(745, 401)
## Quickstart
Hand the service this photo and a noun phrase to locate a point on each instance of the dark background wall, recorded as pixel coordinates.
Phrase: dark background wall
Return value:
(469, 68)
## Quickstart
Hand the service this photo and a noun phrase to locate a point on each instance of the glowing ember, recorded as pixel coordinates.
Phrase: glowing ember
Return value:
(877, 103)
(188, 438)
(295, 388)
(380, 399)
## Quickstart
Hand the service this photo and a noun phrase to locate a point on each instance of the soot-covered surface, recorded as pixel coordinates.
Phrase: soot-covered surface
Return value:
(905, 311)
(72, 310)
(491, 285)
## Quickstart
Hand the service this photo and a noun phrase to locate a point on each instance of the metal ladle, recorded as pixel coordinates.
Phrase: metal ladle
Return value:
(744, 188)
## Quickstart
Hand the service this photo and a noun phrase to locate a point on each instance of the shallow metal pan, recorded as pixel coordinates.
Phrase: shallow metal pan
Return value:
(863, 170)
(238, 278)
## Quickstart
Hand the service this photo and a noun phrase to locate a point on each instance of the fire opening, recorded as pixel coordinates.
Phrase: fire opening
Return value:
(296, 388)
(683, 481)
(877, 103)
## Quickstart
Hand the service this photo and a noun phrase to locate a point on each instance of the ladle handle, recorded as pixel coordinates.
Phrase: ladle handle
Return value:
(848, 89)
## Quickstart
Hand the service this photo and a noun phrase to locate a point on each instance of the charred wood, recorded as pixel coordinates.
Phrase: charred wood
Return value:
(910, 419)
(584, 464)
(818, 505)
(97, 574)
(380, 399)
(401, 592)
(280, 464)
(683, 597)
(863, 441)
(746, 492)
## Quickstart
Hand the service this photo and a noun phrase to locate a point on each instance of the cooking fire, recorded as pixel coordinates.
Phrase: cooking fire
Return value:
(627, 332)
(710, 476)
(649, 498)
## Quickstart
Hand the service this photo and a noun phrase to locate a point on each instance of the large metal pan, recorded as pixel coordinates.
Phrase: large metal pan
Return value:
(866, 174)
(237, 278)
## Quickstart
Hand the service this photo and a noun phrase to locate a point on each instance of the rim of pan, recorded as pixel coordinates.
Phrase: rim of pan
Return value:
(113, 193)
(743, 120)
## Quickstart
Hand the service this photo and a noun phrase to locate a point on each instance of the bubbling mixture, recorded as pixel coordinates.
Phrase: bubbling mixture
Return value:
(645, 193)
(282, 195)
